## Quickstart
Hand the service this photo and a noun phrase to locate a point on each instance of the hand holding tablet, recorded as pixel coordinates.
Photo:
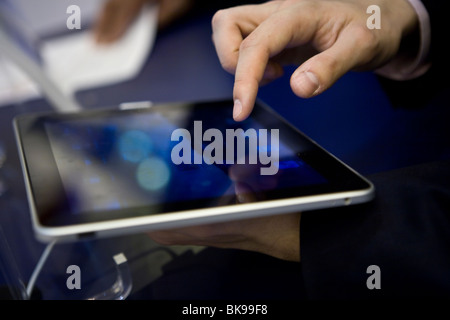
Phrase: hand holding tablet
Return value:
(111, 171)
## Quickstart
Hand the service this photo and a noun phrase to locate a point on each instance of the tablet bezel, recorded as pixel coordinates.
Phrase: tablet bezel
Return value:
(51, 220)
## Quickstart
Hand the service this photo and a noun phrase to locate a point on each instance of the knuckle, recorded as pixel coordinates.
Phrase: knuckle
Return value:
(332, 63)
(245, 83)
(219, 18)
(228, 65)
(250, 42)
(365, 38)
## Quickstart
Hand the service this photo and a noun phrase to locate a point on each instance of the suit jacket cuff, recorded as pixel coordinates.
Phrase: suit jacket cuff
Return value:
(404, 68)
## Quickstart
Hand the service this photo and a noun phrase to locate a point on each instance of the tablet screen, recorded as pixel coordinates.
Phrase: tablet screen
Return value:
(108, 164)
(164, 156)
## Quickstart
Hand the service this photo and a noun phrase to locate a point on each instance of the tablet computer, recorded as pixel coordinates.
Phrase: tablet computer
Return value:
(112, 171)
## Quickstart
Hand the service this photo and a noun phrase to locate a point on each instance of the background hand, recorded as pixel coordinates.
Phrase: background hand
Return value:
(117, 15)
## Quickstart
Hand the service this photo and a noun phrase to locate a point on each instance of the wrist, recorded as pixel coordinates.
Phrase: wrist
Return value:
(405, 16)
(411, 58)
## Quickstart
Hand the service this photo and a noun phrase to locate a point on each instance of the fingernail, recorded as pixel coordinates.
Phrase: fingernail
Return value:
(237, 109)
(308, 83)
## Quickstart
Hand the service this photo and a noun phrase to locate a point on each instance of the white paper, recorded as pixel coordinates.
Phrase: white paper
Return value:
(15, 85)
(75, 61)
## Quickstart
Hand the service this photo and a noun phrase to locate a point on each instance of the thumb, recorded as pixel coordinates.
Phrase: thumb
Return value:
(321, 71)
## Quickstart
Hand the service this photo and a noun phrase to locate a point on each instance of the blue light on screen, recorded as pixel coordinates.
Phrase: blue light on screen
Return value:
(135, 145)
(153, 174)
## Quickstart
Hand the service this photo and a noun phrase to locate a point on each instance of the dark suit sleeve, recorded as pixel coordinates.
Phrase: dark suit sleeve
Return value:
(438, 11)
(405, 231)
(417, 93)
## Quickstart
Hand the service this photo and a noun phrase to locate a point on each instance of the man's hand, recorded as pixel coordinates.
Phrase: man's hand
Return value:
(326, 38)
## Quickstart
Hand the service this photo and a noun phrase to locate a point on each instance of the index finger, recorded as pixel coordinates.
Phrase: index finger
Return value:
(279, 31)
(231, 26)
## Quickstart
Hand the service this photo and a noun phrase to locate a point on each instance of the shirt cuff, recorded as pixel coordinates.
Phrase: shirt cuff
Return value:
(406, 69)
